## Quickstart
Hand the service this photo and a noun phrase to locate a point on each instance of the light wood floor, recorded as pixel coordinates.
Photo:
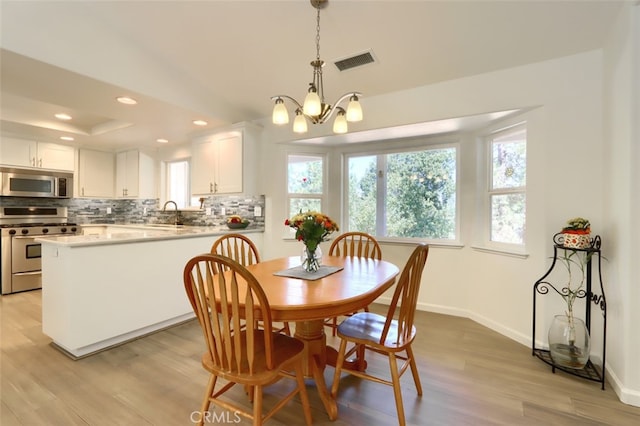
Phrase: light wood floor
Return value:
(470, 376)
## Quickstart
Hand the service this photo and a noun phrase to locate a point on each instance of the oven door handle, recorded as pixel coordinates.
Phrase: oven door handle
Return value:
(25, 237)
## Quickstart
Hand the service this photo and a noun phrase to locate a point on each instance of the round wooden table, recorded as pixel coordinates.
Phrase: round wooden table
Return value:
(308, 302)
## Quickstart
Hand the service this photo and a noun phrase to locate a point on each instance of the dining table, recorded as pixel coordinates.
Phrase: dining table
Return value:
(342, 285)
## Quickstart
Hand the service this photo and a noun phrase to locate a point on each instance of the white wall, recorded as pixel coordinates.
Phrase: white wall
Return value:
(566, 178)
(567, 125)
(621, 155)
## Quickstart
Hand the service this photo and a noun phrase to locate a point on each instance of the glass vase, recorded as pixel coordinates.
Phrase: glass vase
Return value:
(569, 342)
(311, 260)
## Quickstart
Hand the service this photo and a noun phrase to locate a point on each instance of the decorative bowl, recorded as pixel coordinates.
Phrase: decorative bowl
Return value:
(238, 225)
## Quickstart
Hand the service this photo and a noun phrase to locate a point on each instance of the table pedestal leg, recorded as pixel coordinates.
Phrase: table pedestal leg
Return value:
(357, 363)
(315, 352)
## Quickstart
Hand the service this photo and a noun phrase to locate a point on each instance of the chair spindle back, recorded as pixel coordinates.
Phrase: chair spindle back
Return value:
(405, 296)
(237, 247)
(356, 244)
(221, 301)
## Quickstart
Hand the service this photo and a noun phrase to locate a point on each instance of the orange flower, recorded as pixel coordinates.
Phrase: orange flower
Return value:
(311, 227)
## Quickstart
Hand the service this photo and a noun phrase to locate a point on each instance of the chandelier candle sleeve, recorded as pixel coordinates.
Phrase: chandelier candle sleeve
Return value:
(280, 114)
(314, 107)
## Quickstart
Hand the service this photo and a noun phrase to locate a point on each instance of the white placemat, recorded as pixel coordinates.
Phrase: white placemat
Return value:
(298, 272)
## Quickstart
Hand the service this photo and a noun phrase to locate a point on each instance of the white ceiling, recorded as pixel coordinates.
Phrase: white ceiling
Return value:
(221, 61)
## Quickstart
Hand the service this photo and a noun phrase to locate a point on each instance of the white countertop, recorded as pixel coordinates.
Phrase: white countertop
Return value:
(123, 234)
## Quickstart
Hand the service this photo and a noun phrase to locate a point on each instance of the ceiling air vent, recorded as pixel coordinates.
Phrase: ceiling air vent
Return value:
(355, 61)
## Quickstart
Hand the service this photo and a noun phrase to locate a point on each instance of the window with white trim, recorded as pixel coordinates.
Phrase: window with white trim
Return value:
(305, 182)
(405, 194)
(177, 175)
(178, 189)
(507, 185)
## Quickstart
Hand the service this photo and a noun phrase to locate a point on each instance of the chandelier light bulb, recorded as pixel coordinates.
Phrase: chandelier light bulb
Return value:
(280, 113)
(311, 104)
(300, 123)
(354, 109)
(340, 124)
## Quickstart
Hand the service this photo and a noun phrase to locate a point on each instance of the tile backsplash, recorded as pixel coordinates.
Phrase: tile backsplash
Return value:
(140, 211)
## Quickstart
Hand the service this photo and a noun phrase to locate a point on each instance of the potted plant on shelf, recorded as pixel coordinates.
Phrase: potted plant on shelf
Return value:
(569, 341)
(577, 233)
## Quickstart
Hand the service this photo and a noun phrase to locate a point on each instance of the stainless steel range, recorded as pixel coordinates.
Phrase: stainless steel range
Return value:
(20, 254)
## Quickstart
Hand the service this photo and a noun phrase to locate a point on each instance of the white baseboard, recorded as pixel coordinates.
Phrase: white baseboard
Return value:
(626, 395)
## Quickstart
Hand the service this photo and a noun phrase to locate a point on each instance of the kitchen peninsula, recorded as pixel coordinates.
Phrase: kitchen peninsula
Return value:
(117, 283)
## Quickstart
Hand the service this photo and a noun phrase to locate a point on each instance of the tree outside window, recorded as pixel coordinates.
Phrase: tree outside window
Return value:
(507, 192)
(404, 194)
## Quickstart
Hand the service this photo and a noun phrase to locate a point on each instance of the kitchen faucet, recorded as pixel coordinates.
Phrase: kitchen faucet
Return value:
(176, 220)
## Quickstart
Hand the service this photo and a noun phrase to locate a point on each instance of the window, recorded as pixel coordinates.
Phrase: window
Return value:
(178, 183)
(305, 183)
(507, 185)
(404, 195)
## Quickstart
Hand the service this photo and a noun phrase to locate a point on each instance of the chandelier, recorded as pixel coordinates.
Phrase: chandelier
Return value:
(314, 107)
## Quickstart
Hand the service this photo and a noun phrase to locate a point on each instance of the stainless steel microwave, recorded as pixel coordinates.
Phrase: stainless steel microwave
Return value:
(35, 183)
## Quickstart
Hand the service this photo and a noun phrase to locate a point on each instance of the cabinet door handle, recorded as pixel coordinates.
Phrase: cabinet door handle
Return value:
(40, 163)
(83, 191)
(210, 187)
(33, 161)
(215, 186)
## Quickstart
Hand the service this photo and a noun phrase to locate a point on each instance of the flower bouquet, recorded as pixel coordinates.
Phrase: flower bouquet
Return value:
(312, 228)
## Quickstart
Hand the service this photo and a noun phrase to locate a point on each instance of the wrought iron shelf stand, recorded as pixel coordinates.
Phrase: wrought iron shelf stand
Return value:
(542, 287)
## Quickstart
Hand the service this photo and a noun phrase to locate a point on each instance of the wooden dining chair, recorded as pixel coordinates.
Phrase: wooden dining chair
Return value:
(390, 335)
(353, 244)
(238, 247)
(250, 356)
(241, 249)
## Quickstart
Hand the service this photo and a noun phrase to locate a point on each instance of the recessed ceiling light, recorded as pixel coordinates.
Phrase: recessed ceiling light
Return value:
(63, 116)
(66, 138)
(161, 140)
(200, 122)
(126, 100)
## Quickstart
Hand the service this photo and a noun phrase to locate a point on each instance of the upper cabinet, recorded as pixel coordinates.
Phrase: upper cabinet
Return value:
(217, 166)
(221, 163)
(135, 176)
(26, 153)
(95, 173)
(128, 174)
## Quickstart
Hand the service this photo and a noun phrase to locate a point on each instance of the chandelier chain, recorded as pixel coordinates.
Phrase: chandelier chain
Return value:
(318, 35)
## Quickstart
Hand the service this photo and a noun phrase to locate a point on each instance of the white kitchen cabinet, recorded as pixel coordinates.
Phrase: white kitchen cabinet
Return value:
(229, 177)
(216, 165)
(54, 156)
(95, 173)
(135, 177)
(27, 153)
(16, 152)
(203, 158)
(223, 163)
